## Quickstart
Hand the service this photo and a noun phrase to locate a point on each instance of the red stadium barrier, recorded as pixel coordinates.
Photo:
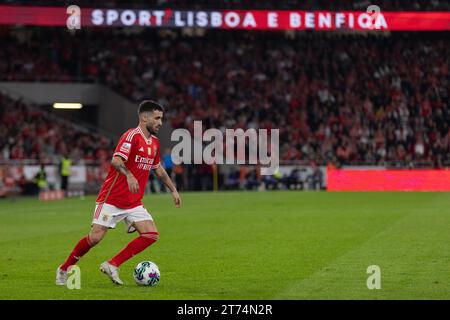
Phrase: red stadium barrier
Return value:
(387, 180)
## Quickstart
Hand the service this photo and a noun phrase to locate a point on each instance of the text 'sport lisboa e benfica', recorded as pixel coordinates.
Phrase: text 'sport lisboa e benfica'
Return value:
(239, 19)
(275, 20)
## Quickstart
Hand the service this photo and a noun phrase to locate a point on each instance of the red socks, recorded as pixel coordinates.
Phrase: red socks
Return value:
(80, 250)
(134, 247)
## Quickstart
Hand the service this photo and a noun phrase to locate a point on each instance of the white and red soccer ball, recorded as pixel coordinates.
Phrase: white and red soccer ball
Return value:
(146, 273)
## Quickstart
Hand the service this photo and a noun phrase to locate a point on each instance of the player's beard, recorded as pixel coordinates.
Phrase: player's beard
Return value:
(150, 130)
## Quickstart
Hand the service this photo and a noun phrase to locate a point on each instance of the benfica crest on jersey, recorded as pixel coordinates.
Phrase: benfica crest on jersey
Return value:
(149, 150)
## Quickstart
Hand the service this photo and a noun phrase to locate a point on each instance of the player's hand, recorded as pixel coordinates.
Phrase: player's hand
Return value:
(176, 199)
(133, 184)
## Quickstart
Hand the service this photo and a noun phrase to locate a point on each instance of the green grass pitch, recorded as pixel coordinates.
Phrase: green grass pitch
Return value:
(241, 245)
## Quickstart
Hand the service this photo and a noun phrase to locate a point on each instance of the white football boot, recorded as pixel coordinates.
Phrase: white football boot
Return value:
(111, 271)
(61, 277)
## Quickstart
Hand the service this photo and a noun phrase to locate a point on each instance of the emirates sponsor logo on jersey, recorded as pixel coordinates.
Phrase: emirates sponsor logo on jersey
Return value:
(140, 159)
(144, 163)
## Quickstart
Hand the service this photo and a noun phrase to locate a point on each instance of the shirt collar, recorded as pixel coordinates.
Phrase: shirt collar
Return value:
(143, 135)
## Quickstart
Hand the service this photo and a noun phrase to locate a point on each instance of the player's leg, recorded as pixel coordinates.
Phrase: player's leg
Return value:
(105, 216)
(146, 226)
(137, 219)
(148, 234)
(96, 234)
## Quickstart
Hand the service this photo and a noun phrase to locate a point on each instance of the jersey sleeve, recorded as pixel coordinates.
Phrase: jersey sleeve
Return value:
(123, 148)
(157, 159)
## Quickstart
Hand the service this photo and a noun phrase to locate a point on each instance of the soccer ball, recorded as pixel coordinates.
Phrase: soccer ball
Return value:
(146, 273)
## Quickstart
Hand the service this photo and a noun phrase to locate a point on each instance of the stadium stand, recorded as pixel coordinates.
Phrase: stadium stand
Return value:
(348, 99)
(27, 132)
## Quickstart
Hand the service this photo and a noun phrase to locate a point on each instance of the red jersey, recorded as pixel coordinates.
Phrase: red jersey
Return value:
(140, 155)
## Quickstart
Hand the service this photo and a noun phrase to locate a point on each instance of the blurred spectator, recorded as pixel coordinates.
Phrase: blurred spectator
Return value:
(232, 180)
(179, 177)
(40, 179)
(154, 185)
(294, 181)
(3, 190)
(28, 188)
(252, 180)
(64, 171)
(167, 161)
(316, 179)
(272, 182)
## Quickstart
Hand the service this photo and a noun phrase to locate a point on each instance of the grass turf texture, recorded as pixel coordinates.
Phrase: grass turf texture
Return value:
(241, 245)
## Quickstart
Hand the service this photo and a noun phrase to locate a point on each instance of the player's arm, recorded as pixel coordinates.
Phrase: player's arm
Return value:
(118, 163)
(164, 177)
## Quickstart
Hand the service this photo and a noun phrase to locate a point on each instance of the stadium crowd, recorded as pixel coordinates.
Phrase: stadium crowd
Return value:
(345, 99)
(28, 133)
(348, 99)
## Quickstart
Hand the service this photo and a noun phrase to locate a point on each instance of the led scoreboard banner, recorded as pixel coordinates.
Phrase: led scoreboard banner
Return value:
(226, 19)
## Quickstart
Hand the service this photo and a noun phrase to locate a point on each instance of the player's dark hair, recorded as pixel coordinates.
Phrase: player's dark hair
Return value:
(149, 105)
